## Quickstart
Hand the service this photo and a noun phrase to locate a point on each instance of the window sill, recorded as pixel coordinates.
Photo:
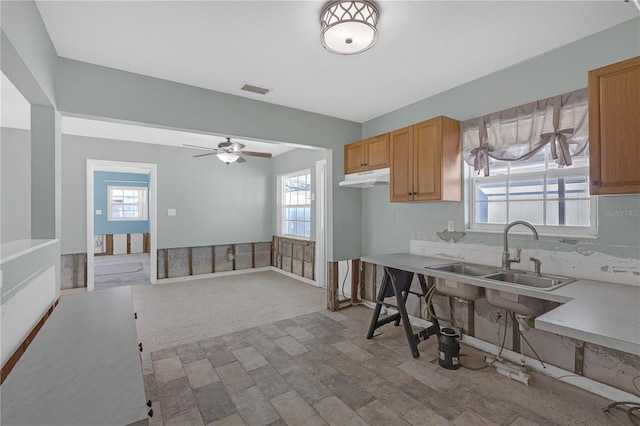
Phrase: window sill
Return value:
(294, 237)
(540, 233)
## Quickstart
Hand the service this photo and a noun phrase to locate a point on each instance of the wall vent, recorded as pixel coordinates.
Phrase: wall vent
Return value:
(255, 89)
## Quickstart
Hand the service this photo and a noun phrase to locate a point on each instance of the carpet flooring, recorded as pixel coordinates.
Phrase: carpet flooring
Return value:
(121, 270)
(187, 312)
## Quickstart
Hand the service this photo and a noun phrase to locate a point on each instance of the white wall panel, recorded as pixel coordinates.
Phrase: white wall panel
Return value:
(120, 244)
(20, 314)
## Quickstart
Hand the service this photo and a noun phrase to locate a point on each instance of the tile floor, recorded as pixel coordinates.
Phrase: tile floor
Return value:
(318, 369)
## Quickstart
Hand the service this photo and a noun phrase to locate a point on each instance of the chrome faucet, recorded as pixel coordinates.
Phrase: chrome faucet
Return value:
(507, 260)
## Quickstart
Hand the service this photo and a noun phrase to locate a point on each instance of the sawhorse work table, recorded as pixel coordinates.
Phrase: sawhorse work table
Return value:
(397, 282)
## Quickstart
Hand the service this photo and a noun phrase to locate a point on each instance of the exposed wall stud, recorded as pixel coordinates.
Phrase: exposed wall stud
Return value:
(128, 243)
(233, 254)
(579, 359)
(109, 244)
(213, 259)
(190, 261)
(355, 280)
(146, 243)
(74, 273)
(166, 263)
(332, 294)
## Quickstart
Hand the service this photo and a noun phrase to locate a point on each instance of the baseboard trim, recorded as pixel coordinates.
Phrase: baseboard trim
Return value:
(238, 272)
(17, 354)
(212, 275)
(295, 277)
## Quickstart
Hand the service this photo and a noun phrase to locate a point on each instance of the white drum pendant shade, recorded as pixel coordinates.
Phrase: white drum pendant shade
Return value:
(349, 27)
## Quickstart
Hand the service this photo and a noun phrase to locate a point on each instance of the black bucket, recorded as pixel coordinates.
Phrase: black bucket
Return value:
(448, 349)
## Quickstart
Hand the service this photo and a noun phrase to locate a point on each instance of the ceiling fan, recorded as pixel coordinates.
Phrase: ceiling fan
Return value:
(229, 152)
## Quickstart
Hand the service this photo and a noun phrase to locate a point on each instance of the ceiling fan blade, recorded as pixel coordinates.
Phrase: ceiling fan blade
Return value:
(204, 155)
(257, 154)
(241, 160)
(235, 146)
(199, 147)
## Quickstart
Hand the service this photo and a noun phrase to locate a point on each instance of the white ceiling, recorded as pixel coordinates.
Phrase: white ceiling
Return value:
(424, 47)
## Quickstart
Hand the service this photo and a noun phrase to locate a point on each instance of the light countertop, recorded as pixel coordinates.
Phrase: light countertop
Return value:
(82, 368)
(592, 311)
(14, 249)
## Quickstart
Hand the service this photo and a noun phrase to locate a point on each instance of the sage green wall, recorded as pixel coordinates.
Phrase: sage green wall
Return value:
(15, 154)
(29, 60)
(292, 161)
(215, 203)
(387, 227)
(90, 90)
(28, 56)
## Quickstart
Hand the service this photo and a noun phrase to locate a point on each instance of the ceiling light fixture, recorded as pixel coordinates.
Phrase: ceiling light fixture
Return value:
(227, 157)
(349, 27)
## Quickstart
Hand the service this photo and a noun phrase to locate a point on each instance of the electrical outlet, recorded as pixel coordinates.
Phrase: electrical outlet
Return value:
(171, 212)
(451, 226)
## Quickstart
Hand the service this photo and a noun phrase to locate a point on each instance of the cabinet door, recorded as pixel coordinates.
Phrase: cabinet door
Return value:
(614, 128)
(401, 185)
(377, 152)
(427, 155)
(354, 157)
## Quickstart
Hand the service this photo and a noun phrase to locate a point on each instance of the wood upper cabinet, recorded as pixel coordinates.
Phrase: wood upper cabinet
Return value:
(426, 161)
(368, 154)
(614, 128)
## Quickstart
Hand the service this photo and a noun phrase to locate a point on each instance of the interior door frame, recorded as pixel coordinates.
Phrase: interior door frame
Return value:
(322, 213)
(123, 167)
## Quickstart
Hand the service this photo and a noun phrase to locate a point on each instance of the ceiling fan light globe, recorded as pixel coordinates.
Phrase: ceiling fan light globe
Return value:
(227, 157)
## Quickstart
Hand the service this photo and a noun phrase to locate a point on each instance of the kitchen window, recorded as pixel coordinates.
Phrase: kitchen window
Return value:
(295, 211)
(554, 199)
(127, 203)
(531, 163)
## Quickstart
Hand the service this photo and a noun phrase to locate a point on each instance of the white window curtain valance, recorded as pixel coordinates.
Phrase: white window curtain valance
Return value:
(516, 134)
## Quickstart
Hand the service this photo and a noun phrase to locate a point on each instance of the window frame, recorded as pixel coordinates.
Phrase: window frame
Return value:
(282, 206)
(472, 179)
(143, 203)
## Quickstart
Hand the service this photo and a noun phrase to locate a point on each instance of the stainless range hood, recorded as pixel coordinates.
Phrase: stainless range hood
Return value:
(367, 179)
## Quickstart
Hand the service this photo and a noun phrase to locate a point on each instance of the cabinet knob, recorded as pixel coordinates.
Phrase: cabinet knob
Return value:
(594, 182)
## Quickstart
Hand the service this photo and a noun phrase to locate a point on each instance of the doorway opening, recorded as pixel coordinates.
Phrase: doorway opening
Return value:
(125, 258)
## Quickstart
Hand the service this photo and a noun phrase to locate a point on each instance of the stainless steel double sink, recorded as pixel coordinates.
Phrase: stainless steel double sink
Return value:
(520, 278)
(505, 299)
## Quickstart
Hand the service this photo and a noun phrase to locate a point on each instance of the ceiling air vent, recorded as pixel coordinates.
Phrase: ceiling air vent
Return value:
(255, 89)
